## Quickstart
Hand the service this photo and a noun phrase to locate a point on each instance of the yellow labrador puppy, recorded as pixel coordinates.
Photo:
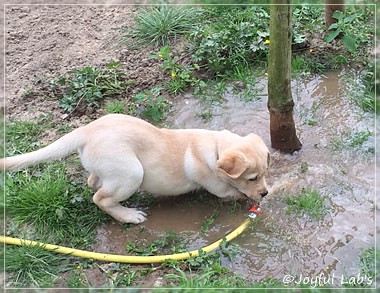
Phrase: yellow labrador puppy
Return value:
(123, 154)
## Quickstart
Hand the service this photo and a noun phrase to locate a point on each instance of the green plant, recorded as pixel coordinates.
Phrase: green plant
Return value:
(232, 36)
(361, 88)
(151, 105)
(170, 241)
(304, 167)
(182, 76)
(89, 86)
(32, 266)
(307, 202)
(367, 262)
(115, 107)
(22, 136)
(54, 207)
(207, 222)
(191, 280)
(160, 25)
(303, 65)
(342, 27)
(77, 278)
(354, 141)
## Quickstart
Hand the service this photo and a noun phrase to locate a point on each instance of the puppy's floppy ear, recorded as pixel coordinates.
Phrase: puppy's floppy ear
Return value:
(233, 165)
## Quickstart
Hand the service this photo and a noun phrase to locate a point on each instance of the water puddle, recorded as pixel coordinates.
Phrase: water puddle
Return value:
(280, 243)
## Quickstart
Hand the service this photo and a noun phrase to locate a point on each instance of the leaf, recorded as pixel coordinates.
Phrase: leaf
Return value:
(338, 15)
(333, 26)
(349, 18)
(331, 36)
(153, 56)
(140, 97)
(350, 42)
(114, 64)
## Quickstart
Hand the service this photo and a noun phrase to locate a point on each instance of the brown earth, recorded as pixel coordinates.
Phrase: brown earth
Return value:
(44, 42)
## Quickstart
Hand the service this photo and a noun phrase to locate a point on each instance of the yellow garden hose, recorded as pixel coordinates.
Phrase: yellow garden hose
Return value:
(125, 258)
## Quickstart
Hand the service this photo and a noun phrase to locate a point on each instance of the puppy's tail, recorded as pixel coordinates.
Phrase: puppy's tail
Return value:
(61, 148)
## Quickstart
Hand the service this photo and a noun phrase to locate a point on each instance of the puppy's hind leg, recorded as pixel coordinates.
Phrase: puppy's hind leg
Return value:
(118, 186)
(94, 182)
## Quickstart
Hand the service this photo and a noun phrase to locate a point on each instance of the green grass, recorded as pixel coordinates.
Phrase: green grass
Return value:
(54, 206)
(367, 262)
(32, 266)
(308, 202)
(161, 25)
(22, 136)
(115, 107)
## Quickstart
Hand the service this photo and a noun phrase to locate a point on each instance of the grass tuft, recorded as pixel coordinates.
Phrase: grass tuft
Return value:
(33, 266)
(160, 25)
(57, 208)
(309, 202)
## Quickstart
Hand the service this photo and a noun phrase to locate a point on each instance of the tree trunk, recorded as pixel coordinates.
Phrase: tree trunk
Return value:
(330, 7)
(280, 102)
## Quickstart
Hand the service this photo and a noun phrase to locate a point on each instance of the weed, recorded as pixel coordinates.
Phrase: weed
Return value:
(22, 136)
(356, 26)
(367, 262)
(232, 36)
(77, 278)
(207, 222)
(301, 65)
(151, 105)
(308, 202)
(342, 27)
(160, 25)
(191, 280)
(89, 86)
(182, 76)
(354, 141)
(304, 167)
(169, 241)
(209, 273)
(205, 115)
(32, 266)
(361, 89)
(115, 107)
(235, 207)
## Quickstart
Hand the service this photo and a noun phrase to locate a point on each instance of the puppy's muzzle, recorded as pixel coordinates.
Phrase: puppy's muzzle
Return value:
(264, 193)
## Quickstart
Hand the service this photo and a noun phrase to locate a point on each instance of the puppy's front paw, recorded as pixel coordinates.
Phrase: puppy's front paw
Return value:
(135, 216)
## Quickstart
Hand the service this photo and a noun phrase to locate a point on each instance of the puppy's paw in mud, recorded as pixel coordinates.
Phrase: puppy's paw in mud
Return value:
(134, 216)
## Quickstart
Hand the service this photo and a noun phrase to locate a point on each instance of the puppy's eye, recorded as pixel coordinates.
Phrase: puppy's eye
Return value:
(252, 179)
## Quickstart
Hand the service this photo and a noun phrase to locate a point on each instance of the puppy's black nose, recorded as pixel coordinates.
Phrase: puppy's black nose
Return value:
(264, 193)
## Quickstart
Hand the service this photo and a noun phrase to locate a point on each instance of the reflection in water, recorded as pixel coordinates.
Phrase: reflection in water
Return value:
(280, 243)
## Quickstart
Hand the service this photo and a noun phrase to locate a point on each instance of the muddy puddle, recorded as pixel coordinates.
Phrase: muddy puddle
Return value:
(280, 244)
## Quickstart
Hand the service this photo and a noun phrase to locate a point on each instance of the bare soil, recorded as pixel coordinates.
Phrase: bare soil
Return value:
(44, 42)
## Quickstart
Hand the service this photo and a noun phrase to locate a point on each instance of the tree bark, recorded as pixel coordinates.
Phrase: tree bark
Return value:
(280, 101)
(330, 7)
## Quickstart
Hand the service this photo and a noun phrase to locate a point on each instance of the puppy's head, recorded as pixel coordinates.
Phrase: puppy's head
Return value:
(244, 166)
